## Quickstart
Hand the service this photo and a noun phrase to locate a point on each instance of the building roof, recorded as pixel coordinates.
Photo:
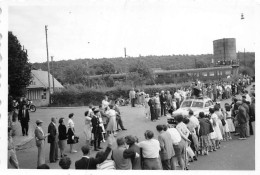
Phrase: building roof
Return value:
(40, 80)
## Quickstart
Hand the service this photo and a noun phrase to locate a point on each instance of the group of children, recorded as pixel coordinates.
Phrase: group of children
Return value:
(213, 128)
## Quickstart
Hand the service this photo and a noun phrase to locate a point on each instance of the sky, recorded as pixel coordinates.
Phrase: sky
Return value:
(102, 29)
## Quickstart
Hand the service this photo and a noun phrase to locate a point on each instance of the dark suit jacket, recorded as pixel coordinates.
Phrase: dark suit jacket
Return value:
(62, 132)
(91, 163)
(53, 133)
(162, 99)
(23, 118)
(95, 124)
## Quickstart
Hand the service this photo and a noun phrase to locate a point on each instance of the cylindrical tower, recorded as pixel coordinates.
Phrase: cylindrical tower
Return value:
(224, 49)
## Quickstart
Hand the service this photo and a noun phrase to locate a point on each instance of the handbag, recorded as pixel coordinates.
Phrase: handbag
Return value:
(76, 139)
(223, 122)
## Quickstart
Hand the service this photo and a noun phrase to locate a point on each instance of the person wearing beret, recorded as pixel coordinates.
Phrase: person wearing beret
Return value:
(40, 141)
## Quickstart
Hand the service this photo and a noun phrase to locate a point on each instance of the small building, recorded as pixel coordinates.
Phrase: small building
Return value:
(38, 90)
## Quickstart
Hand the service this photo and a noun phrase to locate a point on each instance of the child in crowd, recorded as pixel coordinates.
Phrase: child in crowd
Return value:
(205, 129)
(229, 120)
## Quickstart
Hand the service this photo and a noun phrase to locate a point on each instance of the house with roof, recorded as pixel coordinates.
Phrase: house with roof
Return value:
(38, 91)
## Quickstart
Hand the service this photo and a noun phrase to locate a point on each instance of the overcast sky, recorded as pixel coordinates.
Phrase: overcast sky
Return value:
(98, 29)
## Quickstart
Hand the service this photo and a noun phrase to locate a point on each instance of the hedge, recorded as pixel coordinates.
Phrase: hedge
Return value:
(86, 96)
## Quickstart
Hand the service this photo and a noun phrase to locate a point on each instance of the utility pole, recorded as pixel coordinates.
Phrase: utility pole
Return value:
(244, 57)
(52, 73)
(125, 52)
(48, 64)
(224, 49)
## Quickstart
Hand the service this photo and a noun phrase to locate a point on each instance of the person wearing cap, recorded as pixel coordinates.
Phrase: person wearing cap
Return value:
(96, 130)
(40, 141)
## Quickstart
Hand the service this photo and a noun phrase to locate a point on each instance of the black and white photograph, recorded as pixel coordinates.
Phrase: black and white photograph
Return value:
(129, 85)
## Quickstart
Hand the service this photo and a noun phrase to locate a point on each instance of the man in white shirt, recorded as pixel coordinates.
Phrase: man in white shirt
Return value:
(132, 97)
(150, 148)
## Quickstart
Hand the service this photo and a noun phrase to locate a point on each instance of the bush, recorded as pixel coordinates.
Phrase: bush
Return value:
(76, 95)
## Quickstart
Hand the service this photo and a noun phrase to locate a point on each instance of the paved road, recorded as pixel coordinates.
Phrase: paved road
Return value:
(233, 155)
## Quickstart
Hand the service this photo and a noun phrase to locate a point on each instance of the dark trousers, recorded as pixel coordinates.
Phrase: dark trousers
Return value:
(251, 128)
(163, 109)
(166, 164)
(242, 130)
(97, 139)
(178, 103)
(25, 127)
(152, 164)
(119, 122)
(133, 102)
(215, 96)
(157, 113)
(53, 151)
(152, 110)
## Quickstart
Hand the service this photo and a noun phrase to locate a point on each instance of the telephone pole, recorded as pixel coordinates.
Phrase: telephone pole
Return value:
(244, 57)
(125, 52)
(46, 29)
(52, 73)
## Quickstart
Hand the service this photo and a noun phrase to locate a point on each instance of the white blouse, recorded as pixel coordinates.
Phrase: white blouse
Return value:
(70, 123)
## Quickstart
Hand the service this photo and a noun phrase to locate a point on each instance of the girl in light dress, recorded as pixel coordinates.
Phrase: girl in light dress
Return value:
(111, 114)
(229, 122)
(147, 107)
(88, 127)
(215, 136)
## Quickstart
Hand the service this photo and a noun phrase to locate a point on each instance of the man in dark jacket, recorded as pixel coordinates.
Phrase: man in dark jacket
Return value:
(242, 120)
(163, 103)
(24, 118)
(96, 130)
(87, 162)
(151, 103)
(53, 140)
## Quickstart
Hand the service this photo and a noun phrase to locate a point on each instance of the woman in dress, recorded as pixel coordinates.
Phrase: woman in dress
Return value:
(71, 133)
(215, 121)
(62, 136)
(147, 107)
(111, 114)
(87, 127)
(230, 123)
(105, 102)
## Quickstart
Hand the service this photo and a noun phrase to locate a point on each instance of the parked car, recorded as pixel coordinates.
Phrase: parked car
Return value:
(197, 105)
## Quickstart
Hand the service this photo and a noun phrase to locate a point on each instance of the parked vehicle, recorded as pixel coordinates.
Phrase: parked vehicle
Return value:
(197, 105)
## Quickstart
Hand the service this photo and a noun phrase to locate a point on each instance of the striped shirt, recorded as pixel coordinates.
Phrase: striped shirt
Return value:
(106, 165)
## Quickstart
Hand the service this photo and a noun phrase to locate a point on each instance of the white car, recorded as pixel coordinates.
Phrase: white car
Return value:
(197, 105)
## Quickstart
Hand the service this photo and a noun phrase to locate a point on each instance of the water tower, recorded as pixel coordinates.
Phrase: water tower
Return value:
(225, 49)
